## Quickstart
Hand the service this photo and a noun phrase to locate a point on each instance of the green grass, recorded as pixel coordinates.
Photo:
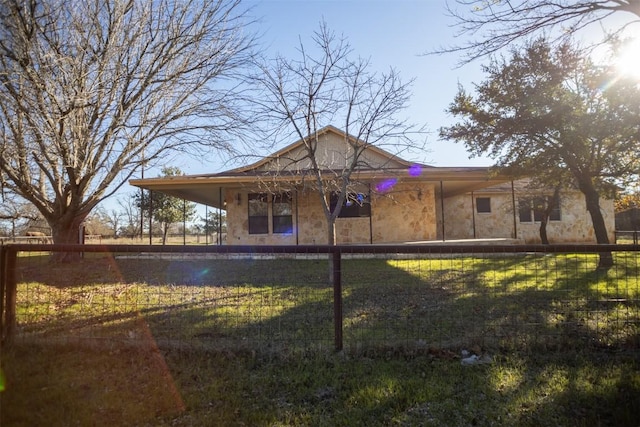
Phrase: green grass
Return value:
(59, 386)
(116, 341)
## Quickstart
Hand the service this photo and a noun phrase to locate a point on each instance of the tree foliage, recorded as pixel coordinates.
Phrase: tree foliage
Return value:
(327, 86)
(164, 209)
(90, 91)
(214, 222)
(493, 25)
(550, 111)
(627, 201)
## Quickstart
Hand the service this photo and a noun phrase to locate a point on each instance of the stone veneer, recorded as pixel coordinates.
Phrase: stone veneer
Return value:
(575, 224)
(412, 212)
(406, 213)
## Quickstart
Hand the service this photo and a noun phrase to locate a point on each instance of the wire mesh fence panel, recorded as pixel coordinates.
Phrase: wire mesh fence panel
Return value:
(283, 301)
(217, 302)
(511, 301)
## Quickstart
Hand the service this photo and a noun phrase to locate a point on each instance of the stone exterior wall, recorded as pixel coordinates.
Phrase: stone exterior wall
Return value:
(407, 213)
(412, 212)
(312, 224)
(461, 221)
(575, 226)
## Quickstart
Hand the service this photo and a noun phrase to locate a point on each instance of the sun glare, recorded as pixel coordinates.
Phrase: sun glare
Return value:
(628, 59)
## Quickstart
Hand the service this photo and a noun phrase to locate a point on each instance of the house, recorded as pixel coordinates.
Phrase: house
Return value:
(275, 201)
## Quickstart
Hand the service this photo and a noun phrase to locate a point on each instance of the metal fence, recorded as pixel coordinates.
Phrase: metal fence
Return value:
(305, 298)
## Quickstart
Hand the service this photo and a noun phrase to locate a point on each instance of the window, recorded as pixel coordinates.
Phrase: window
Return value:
(525, 211)
(483, 204)
(281, 211)
(258, 214)
(533, 210)
(355, 205)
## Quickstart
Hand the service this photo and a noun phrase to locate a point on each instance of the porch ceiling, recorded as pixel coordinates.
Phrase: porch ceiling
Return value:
(209, 189)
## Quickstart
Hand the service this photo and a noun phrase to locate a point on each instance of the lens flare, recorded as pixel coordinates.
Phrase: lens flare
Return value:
(386, 185)
(415, 170)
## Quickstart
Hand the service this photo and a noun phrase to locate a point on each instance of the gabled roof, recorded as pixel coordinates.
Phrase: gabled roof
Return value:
(394, 160)
(208, 188)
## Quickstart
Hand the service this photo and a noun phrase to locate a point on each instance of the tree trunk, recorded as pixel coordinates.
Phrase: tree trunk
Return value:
(331, 241)
(543, 232)
(66, 232)
(593, 207)
(165, 230)
(550, 204)
(331, 231)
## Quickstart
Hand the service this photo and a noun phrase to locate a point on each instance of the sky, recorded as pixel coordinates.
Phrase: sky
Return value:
(390, 33)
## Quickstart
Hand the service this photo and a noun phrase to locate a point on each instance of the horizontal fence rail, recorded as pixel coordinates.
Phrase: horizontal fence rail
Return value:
(299, 298)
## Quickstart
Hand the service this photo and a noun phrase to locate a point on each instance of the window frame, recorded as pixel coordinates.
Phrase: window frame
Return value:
(479, 205)
(525, 211)
(284, 225)
(527, 206)
(258, 224)
(352, 208)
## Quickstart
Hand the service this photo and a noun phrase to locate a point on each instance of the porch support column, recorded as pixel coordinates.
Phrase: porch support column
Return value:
(297, 228)
(141, 213)
(370, 217)
(150, 217)
(442, 208)
(219, 230)
(513, 201)
(473, 214)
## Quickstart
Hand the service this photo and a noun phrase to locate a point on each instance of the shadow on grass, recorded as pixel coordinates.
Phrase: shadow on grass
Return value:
(391, 375)
(498, 302)
(99, 385)
(58, 385)
(263, 333)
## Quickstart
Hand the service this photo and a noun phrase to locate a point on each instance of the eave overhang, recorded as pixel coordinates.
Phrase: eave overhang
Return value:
(208, 189)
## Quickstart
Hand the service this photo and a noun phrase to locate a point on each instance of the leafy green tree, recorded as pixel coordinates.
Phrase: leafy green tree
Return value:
(164, 209)
(214, 222)
(549, 111)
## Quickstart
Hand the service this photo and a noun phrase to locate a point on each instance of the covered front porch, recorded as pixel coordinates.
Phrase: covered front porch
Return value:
(403, 206)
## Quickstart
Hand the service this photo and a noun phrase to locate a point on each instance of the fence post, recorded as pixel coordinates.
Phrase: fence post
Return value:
(3, 269)
(9, 293)
(337, 297)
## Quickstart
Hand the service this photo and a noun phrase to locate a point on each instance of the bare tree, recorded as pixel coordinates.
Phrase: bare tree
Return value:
(104, 222)
(494, 25)
(130, 215)
(16, 211)
(90, 91)
(304, 95)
